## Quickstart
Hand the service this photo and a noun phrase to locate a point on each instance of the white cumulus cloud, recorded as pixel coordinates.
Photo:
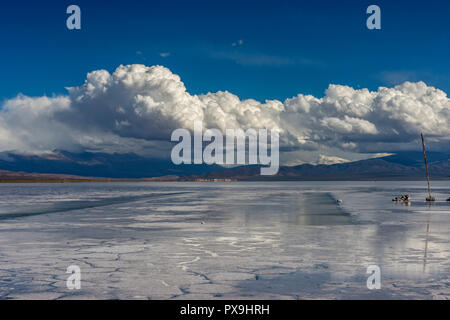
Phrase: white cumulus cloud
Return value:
(136, 108)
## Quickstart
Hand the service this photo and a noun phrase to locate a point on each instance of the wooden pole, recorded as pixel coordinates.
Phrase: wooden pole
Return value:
(430, 198)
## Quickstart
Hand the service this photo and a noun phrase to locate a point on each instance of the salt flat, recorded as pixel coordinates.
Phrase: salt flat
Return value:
(277, 240)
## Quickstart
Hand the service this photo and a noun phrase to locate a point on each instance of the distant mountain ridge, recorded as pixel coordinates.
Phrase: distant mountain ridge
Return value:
(102, 165)
(399, 166)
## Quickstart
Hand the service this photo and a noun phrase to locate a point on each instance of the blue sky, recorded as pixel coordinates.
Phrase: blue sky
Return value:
(305, 57)
(281, 48)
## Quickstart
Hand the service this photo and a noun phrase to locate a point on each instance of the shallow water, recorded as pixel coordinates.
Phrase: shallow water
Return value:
(280, 240)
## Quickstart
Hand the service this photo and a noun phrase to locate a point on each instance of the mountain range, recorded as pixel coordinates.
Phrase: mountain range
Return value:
(63, 164)
(399, 166)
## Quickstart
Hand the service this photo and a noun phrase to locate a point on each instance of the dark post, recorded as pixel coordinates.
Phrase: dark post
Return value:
(430, 198)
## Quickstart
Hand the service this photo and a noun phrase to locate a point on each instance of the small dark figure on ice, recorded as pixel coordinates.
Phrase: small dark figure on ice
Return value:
(402, 198)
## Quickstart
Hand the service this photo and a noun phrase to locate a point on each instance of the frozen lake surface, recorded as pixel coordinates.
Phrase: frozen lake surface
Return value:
(271, 240)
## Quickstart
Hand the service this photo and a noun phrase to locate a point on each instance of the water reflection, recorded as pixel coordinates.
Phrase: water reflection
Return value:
(301, 209)
(425, 256)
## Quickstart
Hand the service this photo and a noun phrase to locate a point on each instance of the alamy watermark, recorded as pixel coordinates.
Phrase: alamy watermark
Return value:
(239, 148)
(73, 22)
(374, 280)
(74, 280)
(374, 20)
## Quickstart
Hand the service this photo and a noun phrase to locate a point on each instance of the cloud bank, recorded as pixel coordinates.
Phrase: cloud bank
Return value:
(136, 108)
